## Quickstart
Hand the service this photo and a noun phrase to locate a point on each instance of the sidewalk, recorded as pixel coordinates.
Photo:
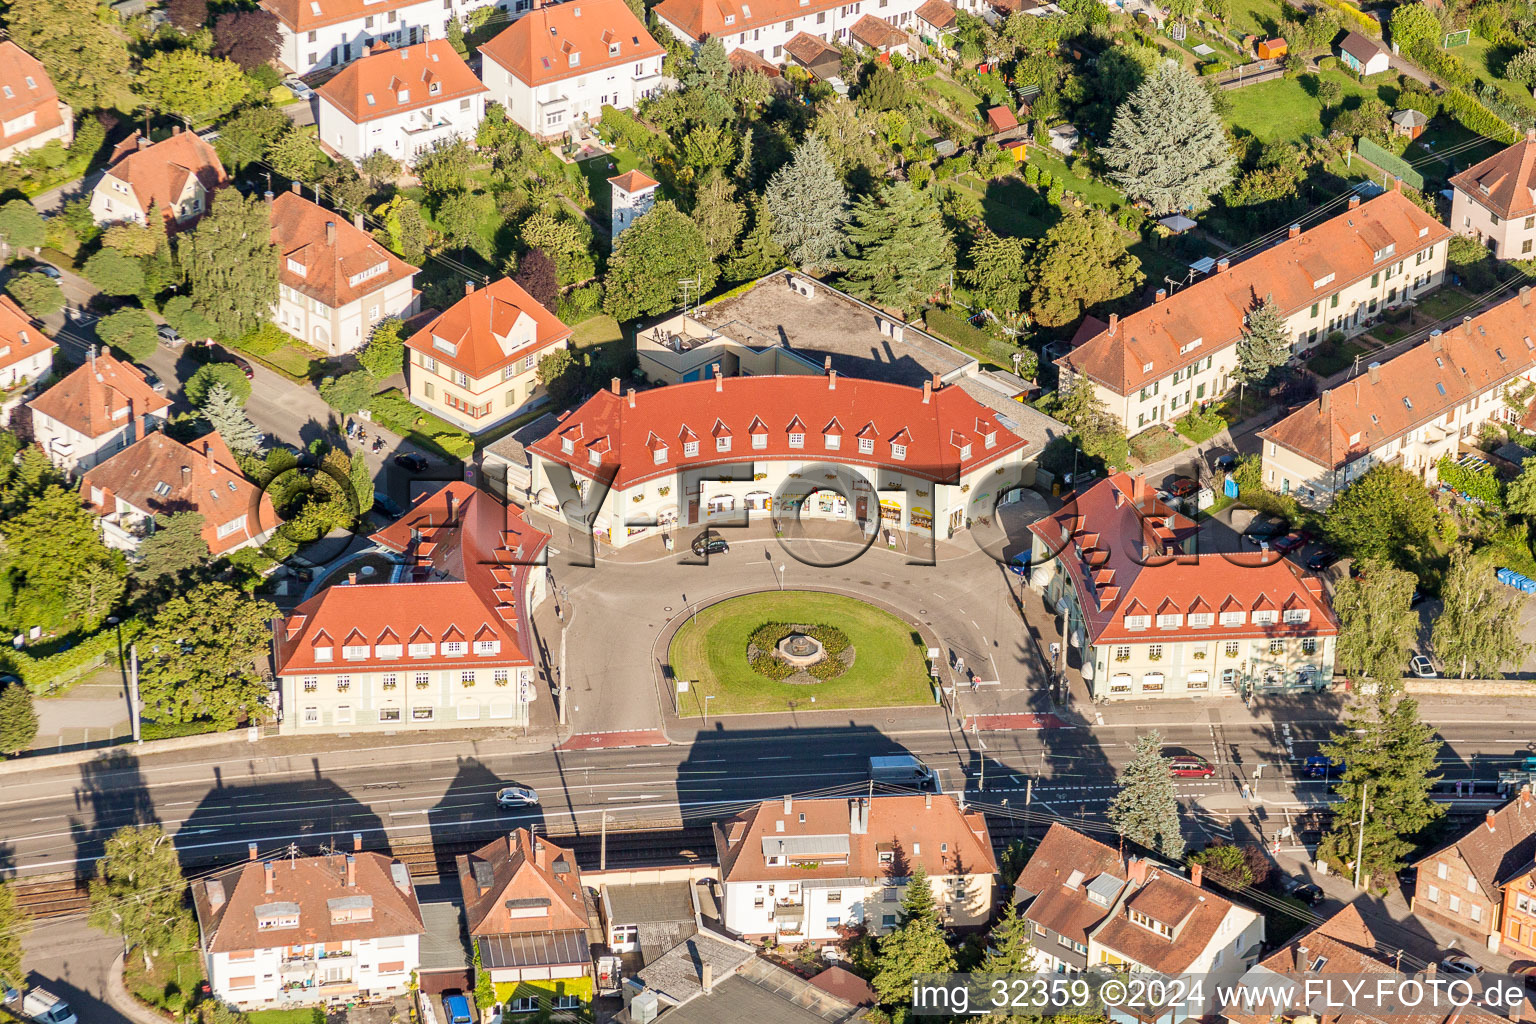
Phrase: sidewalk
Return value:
(119, 999)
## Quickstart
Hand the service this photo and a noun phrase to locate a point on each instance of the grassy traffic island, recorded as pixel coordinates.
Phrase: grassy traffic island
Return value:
(872, 658)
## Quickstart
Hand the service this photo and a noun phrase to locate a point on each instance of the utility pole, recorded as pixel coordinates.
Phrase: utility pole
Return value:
(561, 691)
(133, 690)
(1360, 840)
(602, 856)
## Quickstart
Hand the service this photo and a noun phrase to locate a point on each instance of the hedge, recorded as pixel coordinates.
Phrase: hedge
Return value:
(1466, 108)
(1353, 15)
(1445, 66)
(42, 674)
(623, 128)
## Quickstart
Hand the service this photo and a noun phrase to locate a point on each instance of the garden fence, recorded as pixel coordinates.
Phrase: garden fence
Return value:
(1390, 162)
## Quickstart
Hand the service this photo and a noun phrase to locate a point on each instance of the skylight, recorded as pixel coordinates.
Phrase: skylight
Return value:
(1440, 388)
(369, 98)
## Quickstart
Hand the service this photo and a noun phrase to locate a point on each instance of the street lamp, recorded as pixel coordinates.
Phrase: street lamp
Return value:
(133, 675)
(781, 576)
(707, 698)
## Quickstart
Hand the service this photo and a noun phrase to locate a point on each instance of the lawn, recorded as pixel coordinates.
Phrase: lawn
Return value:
(1326, 364)
(278, 350)
(598, 169)
(1253, 17)
(1483, 57)
(1283, 109)
(1090, 188)
(1443, 303)
(1201, 427)
(1009, 206)
(1156, 444)
(172, 982)
(710, 651)
(296, 1015)
(392, 410)
(953, 92)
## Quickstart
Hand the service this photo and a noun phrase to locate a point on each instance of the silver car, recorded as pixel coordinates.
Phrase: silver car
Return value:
(516, 796)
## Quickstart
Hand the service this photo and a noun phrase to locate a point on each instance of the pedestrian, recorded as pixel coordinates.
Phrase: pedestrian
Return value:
(975, 683)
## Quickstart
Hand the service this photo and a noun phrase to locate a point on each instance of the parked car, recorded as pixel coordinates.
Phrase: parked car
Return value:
(1186, 764)
(296, 85)
(1459, 965)
(709, 543)
(1182, 487)
(168, 336)
(46, 1008)
(245, 367)
(1324, 559)
(1225, 460)
(1319, 767)
(457, 1007)
(1308, 893)
(411, 461)
(1422, 667)
(387, 505)
(153, 380)
(1019, 564)
(46, 269)
(516, 796)
(1293, 541)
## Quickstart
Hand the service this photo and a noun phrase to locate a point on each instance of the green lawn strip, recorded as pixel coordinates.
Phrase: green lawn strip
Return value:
(1443, 303)
(293, 359)
(1254, 17)
(1007, 205)
(172, 981)
(1156, 444)
(1326, 364)
(296, 1015)
(1098, 192)
(597, 173)
(1283, 109)
(710, 651)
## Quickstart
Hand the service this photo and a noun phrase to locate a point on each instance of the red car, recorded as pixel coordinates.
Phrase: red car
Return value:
(1185, 764)
(1292, 541)
(1182, 487)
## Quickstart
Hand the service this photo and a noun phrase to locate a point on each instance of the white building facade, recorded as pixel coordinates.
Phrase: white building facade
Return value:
(764, 28)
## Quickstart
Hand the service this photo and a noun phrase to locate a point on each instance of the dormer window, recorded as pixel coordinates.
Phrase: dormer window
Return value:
(1190, 346)
(595, 457)
(435, 88)
(423, 650)
(991, 441)
(797, 440)
(965, 451)
(1382, 254)
(296, 267)
(445, 346)
(1325, 279)
(866, 446)
(1201, 620)
(387, 650)
(659, 454)
(1264, 618)
(613, 49)
(759, 440)
(1295, 616)
(326, 653)
(355, 652)
(690, 449)
(484, 647)
(730, 19)
(1138, 621)
(1233, 618)
(575, 59)
(368, 97)
(568, 446)
(723, 443)
(1172, 621)
(403, 96)
(833, 441)
(898, 452)
(453, 648)
(1137, 917)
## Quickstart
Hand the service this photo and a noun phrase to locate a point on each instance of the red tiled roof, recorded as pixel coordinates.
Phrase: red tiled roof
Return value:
(1415, 388)
(489, 328)
(468, 560)
(158, 173)
(1052, 889)
(1122, 550)
(25, 86)
(876, 33)
(335, 274)
(809, 50)
(845, 985)
(1499, 849)
(701, 18)
(1001, 119)
(1195, 914)
(100, 396)
(303, 15)
(159, 475)
(539, 46)
(927, 424)
(937, 13)
(1155, 341)
(389, 82)
(20, 338)
(633, 181)
(521, 867)
(746, 60)
(1505, 182)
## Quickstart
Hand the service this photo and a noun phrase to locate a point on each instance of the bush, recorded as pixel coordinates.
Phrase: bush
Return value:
(38, 294)
(263, 341)
(1478, 483)
(1214, 67)
(579, 304)
(132, 331)
(209, 374)
(1327, 64)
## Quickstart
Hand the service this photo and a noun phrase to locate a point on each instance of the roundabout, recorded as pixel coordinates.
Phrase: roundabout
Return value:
(796, 650)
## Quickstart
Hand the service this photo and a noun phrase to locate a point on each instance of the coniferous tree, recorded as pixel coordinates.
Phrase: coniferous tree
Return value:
(1009, 950)
(808, 205)
(902, 252)
(1146, 811)
(719, 214)
(18, 725)
(758, 253)
(15, 923)
(917, 947)
(384, 355)
(997, 274)
(918, 902)
(1168, 146)
(175, 548)
(222, 409)
(231, 264)
(1478, 630)
(1265, 343)
(1377, 624)
(1081, 262)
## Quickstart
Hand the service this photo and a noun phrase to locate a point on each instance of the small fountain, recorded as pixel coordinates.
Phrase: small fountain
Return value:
(801, 650)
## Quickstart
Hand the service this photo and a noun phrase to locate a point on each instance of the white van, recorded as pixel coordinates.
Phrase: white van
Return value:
(46, 1008)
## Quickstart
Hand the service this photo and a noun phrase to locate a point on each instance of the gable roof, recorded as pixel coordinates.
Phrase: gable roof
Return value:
(25, 86)
(937, 13)
(1499, 847)
(1414, 388)
(811, 51)
(228, 902)
(20, 337)
(159, 475)
(489, 328)
(303, 15)
(102, 395)
(1359, 47)
(389, 82)
(337, 272)
(1209, 315)
(1195, 914)
(876, 33)
(159, 173)
(699, 19)
(1505, 182)
(539, 46)
(1053, 889)
(521, 883)
(747, 60)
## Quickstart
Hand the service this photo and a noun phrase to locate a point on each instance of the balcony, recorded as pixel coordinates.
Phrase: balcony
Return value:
(417, 127)
(785, 902)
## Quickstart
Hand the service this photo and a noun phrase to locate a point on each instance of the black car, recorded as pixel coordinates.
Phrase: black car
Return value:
(155, 383)
(387, 505)
(411, 461)
(1323, 559)
(710, 543)
(1308, 893)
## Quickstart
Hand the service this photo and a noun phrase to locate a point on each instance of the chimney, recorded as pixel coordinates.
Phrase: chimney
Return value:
(1489, 820)
(1222, 265)
(1138, 489)
(631, 394)
(1294, 232)
(215, 893)
(927, 391)
(213, 467)
(1196, 873)
(1119, 497)
(832, 380)
(1397, 184)
(330, 233)
(186, 476)
(1138, 870)
(936, 382)
(251, 849)
(613, 385)
(1114, 323)
(268, 868)
(351, 872)
(175, 129)
(1303, 958)
(448, 503)
(1525, 295)
(1162, 294)
(357, 221)
(144, 142)
(788, 804)
(1466, 325)
(863, 815)
(826, 365)
(297, 189)
(469, 287)
(91, 351)
(351, 579)
(1436, 342)
(1375, 371)
(707, 977)
(1324, 402)
(719, 378)
(357, 841)
(927, 801)
(1354, 201)
(853, 817)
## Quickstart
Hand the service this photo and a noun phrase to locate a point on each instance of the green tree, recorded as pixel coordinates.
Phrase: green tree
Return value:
(561, 241)
(183, 315)
(851, 135)
(445, 167)
(1168, 146)
(349, 393)
(295, 156)
(917, 947)
(918, 901)
(191, 84)
(485, 989)
(173, 550)
(249, 135)
(1477, 632)
(84, 55)
(758, 253)
(653, 254)
(1387, 514)
(902, 252)
(58, 569)
(1377, 624)
(200, 385)
(710, 66)
(998, 268)
(405, 232)
(114, 272)
(18, 728)
(1520, 68)
(883, 88)
(1146, 811)
(378, 169)
(131, 331)
(361, 479)
(1412, 24)
(719, 215)
(1009, 950)
(1224, 864)
(560, 375)
(38, 294)
(15, 923)
(808, 206)
(384, 355)
(1080, 263)
(227, 416)
(1098, 433)
(138, 890)
(1389, 758)
(1265, 343)
(199, 657)
(231, 264)
(1520, 493)
(22, 226)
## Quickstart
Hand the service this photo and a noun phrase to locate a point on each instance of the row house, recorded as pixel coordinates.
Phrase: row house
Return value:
(727, 451)
(1155, 619)
(445, 643)
(159, 476)
(297, 931)
(1494, 201)
(765, 27)
(101, 408)
(1158, 363)
(316, 34)
(31, 113)
(26, 353)
(1067, 889)
(476, 365)
(800, 870)
(335, 281)
(403, 102)
(1410, 411)
(560, 65)
(529, 921)
(1482, 885)
(176, 176)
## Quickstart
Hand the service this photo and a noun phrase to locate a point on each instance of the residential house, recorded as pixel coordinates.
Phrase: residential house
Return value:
(296, 931)
(1158, 363)
(31, 113)
(177, 176)
(1153, 619)
(1165, 923)
(1411, 410)
(528, 919)
(879, 35)
(446, 642)
(476, 365)
(98, 410)
(1363, 56)
(401, 102)
(26, 353)
(317, 34)
(729, 450)
(934, 20)
(1070, 885)
(633, 193)
(799, 870)
(1482, 885)
(1494, 201)
(823, 60)
(765, 27)
(559, 66)
(335, 282)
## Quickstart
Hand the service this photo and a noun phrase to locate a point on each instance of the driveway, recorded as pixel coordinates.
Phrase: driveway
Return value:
(72, 960)
(52, 200)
